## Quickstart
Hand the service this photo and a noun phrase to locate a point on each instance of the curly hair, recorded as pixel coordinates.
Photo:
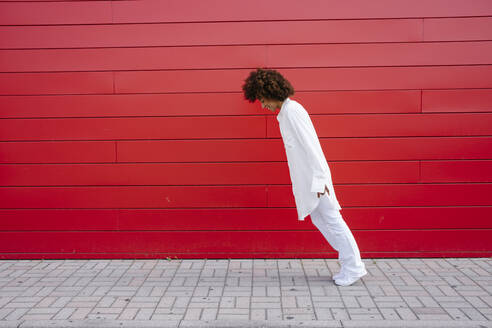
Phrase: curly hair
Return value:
(266, 83)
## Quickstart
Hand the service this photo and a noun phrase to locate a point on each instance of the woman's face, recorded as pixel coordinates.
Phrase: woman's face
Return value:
(271, 104)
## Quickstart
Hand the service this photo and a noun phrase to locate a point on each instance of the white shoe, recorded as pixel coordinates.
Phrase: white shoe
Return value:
(338, 275)
(349, 279)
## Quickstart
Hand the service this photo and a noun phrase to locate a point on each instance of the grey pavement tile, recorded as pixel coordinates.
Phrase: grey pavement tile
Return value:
(430, 292)
(414, 324)
(260, 323)
(105, 323)
(10, 324)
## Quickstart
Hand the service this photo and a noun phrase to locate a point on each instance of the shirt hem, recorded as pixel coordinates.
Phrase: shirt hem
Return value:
(301, 218)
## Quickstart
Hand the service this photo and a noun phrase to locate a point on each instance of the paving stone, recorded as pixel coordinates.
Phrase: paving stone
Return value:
(449, 292)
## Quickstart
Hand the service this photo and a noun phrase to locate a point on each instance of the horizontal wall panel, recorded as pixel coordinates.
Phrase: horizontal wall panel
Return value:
(197, 173)
(385, 54)
(241, 196)
(133, 58)
(56, 83)
(472, 100)
(373, 78)
(206, 241)
(47, 12)
(334, 149)
(323, 102)
(374, 171)
(133, 197)
(202, 150)
(387, 125)
(466, 194)
(233, 33)
(374, 125)
(161, 174)
(180, 81)
(58, 152)
(309, 79)
(452, 29)
(136, 105)
(407, 148)
(364, 101)
(369, 218)
(210, 242)
(133, 128)
(250, 150)
(448, 217)
(174, 256)
(290, 56)
(453, 171)
(179, 11)
(210, 33)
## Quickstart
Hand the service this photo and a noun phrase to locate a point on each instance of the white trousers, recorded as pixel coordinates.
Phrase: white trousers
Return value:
(330, 223)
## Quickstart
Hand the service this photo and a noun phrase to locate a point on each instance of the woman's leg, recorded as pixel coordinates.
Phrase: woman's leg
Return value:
(331, 224)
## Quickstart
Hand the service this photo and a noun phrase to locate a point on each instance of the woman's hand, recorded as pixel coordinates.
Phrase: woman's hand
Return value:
(322, 193)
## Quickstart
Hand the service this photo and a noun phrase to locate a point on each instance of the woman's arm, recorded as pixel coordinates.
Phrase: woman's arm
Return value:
(305, 133)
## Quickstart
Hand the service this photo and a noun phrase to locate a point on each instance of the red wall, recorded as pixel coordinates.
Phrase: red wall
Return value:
(124, 132)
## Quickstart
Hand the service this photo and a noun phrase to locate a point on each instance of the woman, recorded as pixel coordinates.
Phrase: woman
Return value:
(312, 185)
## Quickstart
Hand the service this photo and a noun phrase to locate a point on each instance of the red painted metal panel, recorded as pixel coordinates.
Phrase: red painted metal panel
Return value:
(213, 244)
(192, 173)
(311, 79)
(253, 219)
(456, 171)
(452, 29)
(308, 79)
(173, 256)
(136, 105)
(179, 81)
(471, 100)
(196, 10)
(240, 33)
(372, 125)
(365, 101)
(370, 78)
(169, 174)
(384, 54)
(56, 83)
(58, 152)
(374, 172)
(240, 196)
(250, 150)
(134, 197)
(132, 58)
(470, 194)
(403, 148)
(26, 12)
(88, 103)
(214, 33)
(397, 125)
(133, 128)
(287, 56)
(175, 104)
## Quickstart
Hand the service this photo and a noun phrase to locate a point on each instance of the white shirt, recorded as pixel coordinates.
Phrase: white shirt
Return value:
(308, 168)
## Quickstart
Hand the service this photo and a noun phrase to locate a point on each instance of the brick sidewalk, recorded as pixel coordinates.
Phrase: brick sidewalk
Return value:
(434, 292)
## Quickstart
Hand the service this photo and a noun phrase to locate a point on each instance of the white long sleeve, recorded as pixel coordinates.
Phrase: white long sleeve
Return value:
(305, 133)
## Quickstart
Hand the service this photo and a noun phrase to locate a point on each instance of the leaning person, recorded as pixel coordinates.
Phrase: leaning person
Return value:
(312, 185)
